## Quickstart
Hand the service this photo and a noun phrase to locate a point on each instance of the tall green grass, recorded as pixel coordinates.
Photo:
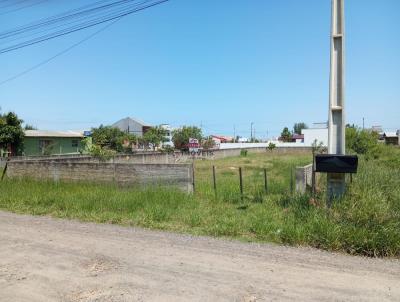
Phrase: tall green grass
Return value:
(365, 222)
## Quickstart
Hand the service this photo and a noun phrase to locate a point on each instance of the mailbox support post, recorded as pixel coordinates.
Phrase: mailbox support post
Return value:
(336, 124)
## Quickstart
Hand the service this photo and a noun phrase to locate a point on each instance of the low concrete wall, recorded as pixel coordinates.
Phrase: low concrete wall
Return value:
(177, 175)
(278, 144)
(303, 178)
(281, 150)
(165, 158)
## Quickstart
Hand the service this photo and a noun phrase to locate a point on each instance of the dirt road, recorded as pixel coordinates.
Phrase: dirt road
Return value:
(45, 259)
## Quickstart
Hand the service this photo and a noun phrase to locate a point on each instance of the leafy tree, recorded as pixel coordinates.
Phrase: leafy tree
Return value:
(86, 145)
(286, 135)
(155, 136)
(298, 127)
(11, 132)
(362, 142)
(208, 143)
(181, 136)
(112, 138)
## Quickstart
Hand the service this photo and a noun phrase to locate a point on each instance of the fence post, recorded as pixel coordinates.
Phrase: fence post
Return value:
(4, 171)
(313, 177)
(265, 181)
(193, 178)
(214, 181)
(241, 182)
(291, 180)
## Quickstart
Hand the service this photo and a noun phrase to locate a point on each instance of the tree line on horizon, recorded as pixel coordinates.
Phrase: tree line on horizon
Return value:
(107, 140)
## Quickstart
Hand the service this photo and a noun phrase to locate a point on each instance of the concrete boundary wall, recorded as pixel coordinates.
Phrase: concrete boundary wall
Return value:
(284, 150)
(303, 178)
(175, 175)
(166, 158)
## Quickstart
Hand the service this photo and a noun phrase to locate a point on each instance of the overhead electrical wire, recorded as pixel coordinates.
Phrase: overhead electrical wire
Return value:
(59, 53)
(75, 23)
(86, 9)
(13, 4)
(22, 7)
(46, 30)
(94, 17)
(112, 22)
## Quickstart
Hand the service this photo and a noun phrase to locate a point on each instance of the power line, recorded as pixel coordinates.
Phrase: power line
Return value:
(58, 54)
(99, 20)
(13, 4)
(19, 35)
(23, 7)
(64, 51)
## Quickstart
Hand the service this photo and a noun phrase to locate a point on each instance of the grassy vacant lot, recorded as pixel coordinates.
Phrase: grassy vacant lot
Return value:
(366, 221)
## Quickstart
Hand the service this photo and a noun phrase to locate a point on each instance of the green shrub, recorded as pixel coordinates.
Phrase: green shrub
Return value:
(271, 146)
(102, 154)
(363, 142)
(243, 152)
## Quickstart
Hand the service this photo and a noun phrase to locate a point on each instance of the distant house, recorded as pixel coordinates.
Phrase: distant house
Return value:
(41, 142)
(391, 138)
(168, 137)
(295, 138)
(377, 129)
(222, 138)
(298, 138)
(132, 126)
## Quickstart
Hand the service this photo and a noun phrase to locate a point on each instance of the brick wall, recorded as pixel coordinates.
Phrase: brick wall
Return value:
(176, 175)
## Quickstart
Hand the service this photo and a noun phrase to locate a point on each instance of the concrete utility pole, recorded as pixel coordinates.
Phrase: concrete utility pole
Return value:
(336, 145)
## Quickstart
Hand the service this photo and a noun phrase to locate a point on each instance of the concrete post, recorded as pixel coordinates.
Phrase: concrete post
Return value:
(336, 144)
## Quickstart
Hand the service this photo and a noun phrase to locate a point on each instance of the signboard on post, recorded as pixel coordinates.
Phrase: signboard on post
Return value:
(336, 163)
(194, 146)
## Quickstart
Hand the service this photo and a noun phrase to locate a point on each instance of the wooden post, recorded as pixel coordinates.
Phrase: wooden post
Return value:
(4, 171)
(291, 179)
(214, 181)
(241, 182)
(193, 177)
(313, 184)
(265, 181)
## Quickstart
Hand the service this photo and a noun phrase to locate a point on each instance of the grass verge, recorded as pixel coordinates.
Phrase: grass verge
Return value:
(365, 222)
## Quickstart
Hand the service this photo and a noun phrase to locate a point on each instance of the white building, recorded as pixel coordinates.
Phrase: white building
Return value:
(168, 136)
(318, 132)
(243, 140)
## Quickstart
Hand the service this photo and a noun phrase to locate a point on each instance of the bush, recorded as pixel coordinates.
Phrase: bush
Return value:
(271, 146)
(243, 152)
(167, 149)
(102, 154)
(363, 142)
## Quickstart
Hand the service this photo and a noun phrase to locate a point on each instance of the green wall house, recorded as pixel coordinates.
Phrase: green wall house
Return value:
(40, 142)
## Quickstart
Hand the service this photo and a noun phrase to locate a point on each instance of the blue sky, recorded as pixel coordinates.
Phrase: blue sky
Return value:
(214, 63)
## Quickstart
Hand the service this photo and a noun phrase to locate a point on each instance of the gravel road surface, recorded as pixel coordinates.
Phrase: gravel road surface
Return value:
(45, 259)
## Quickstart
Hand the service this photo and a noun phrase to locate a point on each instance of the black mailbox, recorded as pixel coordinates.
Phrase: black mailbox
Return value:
(332, 163)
